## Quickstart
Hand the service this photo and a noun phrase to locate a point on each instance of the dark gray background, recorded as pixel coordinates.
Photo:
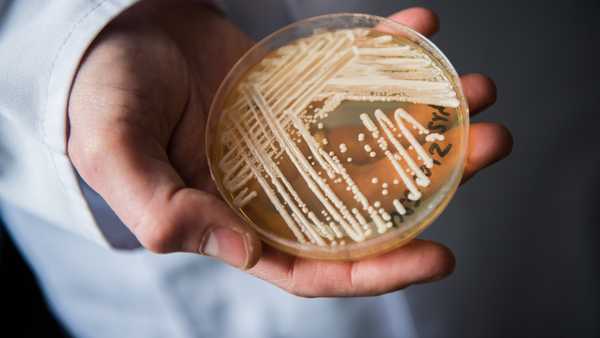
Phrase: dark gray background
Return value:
(525, 232)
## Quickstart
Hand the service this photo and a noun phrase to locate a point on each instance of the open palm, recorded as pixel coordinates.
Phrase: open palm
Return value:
(137, 113)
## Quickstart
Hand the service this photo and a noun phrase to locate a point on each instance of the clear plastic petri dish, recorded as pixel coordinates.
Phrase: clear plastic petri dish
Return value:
(339, 136)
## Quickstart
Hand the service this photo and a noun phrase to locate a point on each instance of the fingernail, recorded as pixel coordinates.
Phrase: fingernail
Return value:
(227, 245)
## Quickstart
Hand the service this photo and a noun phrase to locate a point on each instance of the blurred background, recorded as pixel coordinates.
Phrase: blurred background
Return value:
(525, 232)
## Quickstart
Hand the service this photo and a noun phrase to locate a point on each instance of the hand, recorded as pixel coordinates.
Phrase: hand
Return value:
(137, 112)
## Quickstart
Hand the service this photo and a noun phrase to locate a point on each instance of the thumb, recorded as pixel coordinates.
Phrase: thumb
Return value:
(132, 172)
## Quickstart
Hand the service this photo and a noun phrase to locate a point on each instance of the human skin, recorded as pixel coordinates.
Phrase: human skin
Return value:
(137, 112)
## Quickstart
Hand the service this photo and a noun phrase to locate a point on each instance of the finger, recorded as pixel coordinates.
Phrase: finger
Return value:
(419, 261)
(420, 19)
(488, 143)
(479, 90)
(141, 186)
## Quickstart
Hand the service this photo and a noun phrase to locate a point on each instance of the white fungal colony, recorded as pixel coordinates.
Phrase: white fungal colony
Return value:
(291, 93)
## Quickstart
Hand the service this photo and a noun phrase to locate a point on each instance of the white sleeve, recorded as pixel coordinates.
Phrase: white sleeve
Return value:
(41, 44)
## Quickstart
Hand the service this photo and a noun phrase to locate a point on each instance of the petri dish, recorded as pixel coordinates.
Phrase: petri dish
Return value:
(339, 136)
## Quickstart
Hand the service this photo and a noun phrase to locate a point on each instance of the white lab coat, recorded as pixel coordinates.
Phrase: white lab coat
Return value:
(41, 43)
(69, 235)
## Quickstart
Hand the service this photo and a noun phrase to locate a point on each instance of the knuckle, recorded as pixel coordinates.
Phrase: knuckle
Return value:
(294, 286)
(88, 154)
(318, 283)
(81, 152)
(159, 237)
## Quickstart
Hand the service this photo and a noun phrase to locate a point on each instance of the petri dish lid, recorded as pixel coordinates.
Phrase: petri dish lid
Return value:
(339, 136)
